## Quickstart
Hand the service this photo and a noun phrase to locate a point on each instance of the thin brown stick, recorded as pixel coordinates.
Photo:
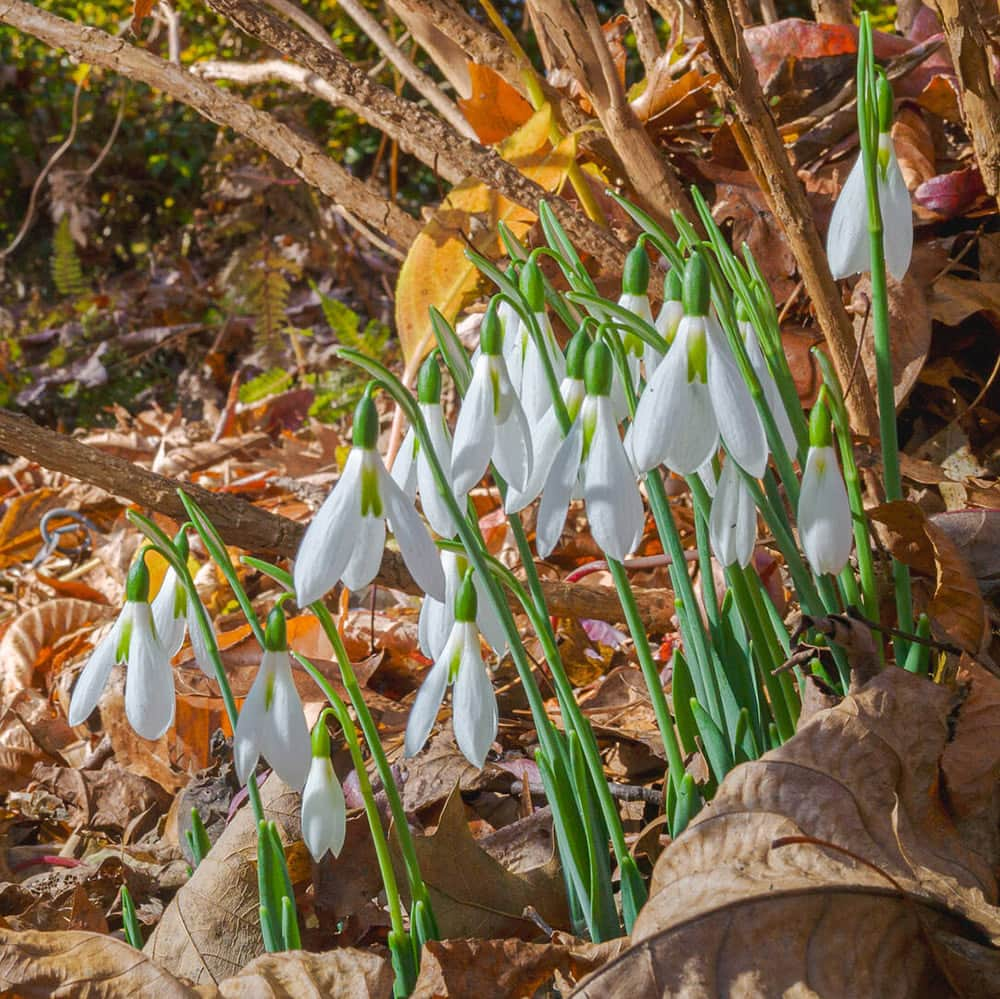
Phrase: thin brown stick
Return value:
(787, 198)
(246, 526)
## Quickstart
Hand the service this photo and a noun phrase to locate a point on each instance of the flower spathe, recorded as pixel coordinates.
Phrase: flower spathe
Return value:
(149, 680)
(824, 514)
(324, 809)
(474, 706)
(271, 722)
(346, 539)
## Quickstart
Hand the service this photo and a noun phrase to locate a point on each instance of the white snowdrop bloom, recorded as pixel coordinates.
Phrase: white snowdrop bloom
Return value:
(437, 617)
(411, 470)
(848, 243)
(593, 457)
(732, 522)
(324, 810)
(824, 515)
(149, 680)
(696, 395)
(534, 392)
(346, 538)
(671, 312)
(491, 424)
(271, 722)
(474, 706)
(635, 299)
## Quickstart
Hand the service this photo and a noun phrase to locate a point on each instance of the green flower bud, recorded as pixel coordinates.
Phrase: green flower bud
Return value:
(820, 434)
(429, 380)
(742, 313)
(697, 286)
(467, 601)
(321, 738)
(181, 544)
(137, 585)
(490, 333)
(365, 433)
(673, 285)
(532, 286)
(635, 280)
(276, 634)
(598, 369)
(883, 95)
(576, 354)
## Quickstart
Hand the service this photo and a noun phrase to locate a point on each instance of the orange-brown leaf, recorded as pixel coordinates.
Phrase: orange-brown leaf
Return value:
(494, 109)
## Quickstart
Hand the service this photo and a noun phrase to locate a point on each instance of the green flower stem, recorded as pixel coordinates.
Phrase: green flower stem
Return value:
(868, 129)
(650, 672)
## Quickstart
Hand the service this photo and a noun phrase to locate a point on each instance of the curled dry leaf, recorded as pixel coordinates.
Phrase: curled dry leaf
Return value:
(211, 929)
(830, 866)
(30, 732)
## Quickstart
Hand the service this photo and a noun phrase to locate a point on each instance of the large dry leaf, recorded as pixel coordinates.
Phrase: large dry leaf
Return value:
(211, 929)
(339, 974)
(30, 732)
(906, 912)
(495, 109)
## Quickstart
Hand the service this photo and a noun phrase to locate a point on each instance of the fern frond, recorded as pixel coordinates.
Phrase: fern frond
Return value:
(67, 274)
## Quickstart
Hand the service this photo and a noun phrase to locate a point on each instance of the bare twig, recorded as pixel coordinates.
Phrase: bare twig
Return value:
(646, 41)
(294, 13)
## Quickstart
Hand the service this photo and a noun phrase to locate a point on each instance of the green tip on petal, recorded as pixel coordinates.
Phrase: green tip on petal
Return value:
(366, 423)
(490, 333)
(576, 354)
(275, 634)
(883, 92)
(673, 285)
(598, 370)
(697, 287)
(467, 602)
(532, 286)
(820, 434)
(635, 280)
(137, 586)
(321, 739)
(429, 380)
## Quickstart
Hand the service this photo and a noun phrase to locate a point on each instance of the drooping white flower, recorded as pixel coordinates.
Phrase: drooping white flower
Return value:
(732, 523)
(412, 471)
(491, 424)
(346, 539)
(824, 514)
(149, 680)
(437, 617)
(696, 395)
(474, 706)
(671, 312)
(324, 810)
(271, 722)
(592, 457)
(848, 243)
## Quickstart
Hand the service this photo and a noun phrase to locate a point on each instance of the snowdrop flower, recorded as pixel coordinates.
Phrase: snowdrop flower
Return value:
(848, 243)
(635, 298)
(412, 471)
(593, 456)
(696, 395)
(174, 614)
(824, 515)
(732, 523)
(491, 423)
(149, 681)
(533, 387)
(767, 383)
(437, 617)
(346, 539)
(547, 433)
(324, 810)
(474, 703)
(271, 722)
(671, 312)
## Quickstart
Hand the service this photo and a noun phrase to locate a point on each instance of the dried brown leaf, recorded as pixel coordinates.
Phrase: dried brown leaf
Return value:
(30, 732)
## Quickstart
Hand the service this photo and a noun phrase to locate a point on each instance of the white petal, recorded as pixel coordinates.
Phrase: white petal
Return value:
(706, 473)
(669, 319)
(435, 509)
(638, 305)
(897, 218)
(404, 468)
(487, 619)
(324, 810)
(251, 722)
(558, 490)
(825, 530)
(534, 392)
(369, 547)
(330, 538)
(614, 506)
(149, 681)
(847, 245)
(732, 523)
(474, 431)
(169, 628)
(474, 703)
(199, 645)
(94, 676)
(737, 416)
(425, 708)
(433, 627)
(419, 552)
(771, 392)
(284, 736)
(512, 453)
